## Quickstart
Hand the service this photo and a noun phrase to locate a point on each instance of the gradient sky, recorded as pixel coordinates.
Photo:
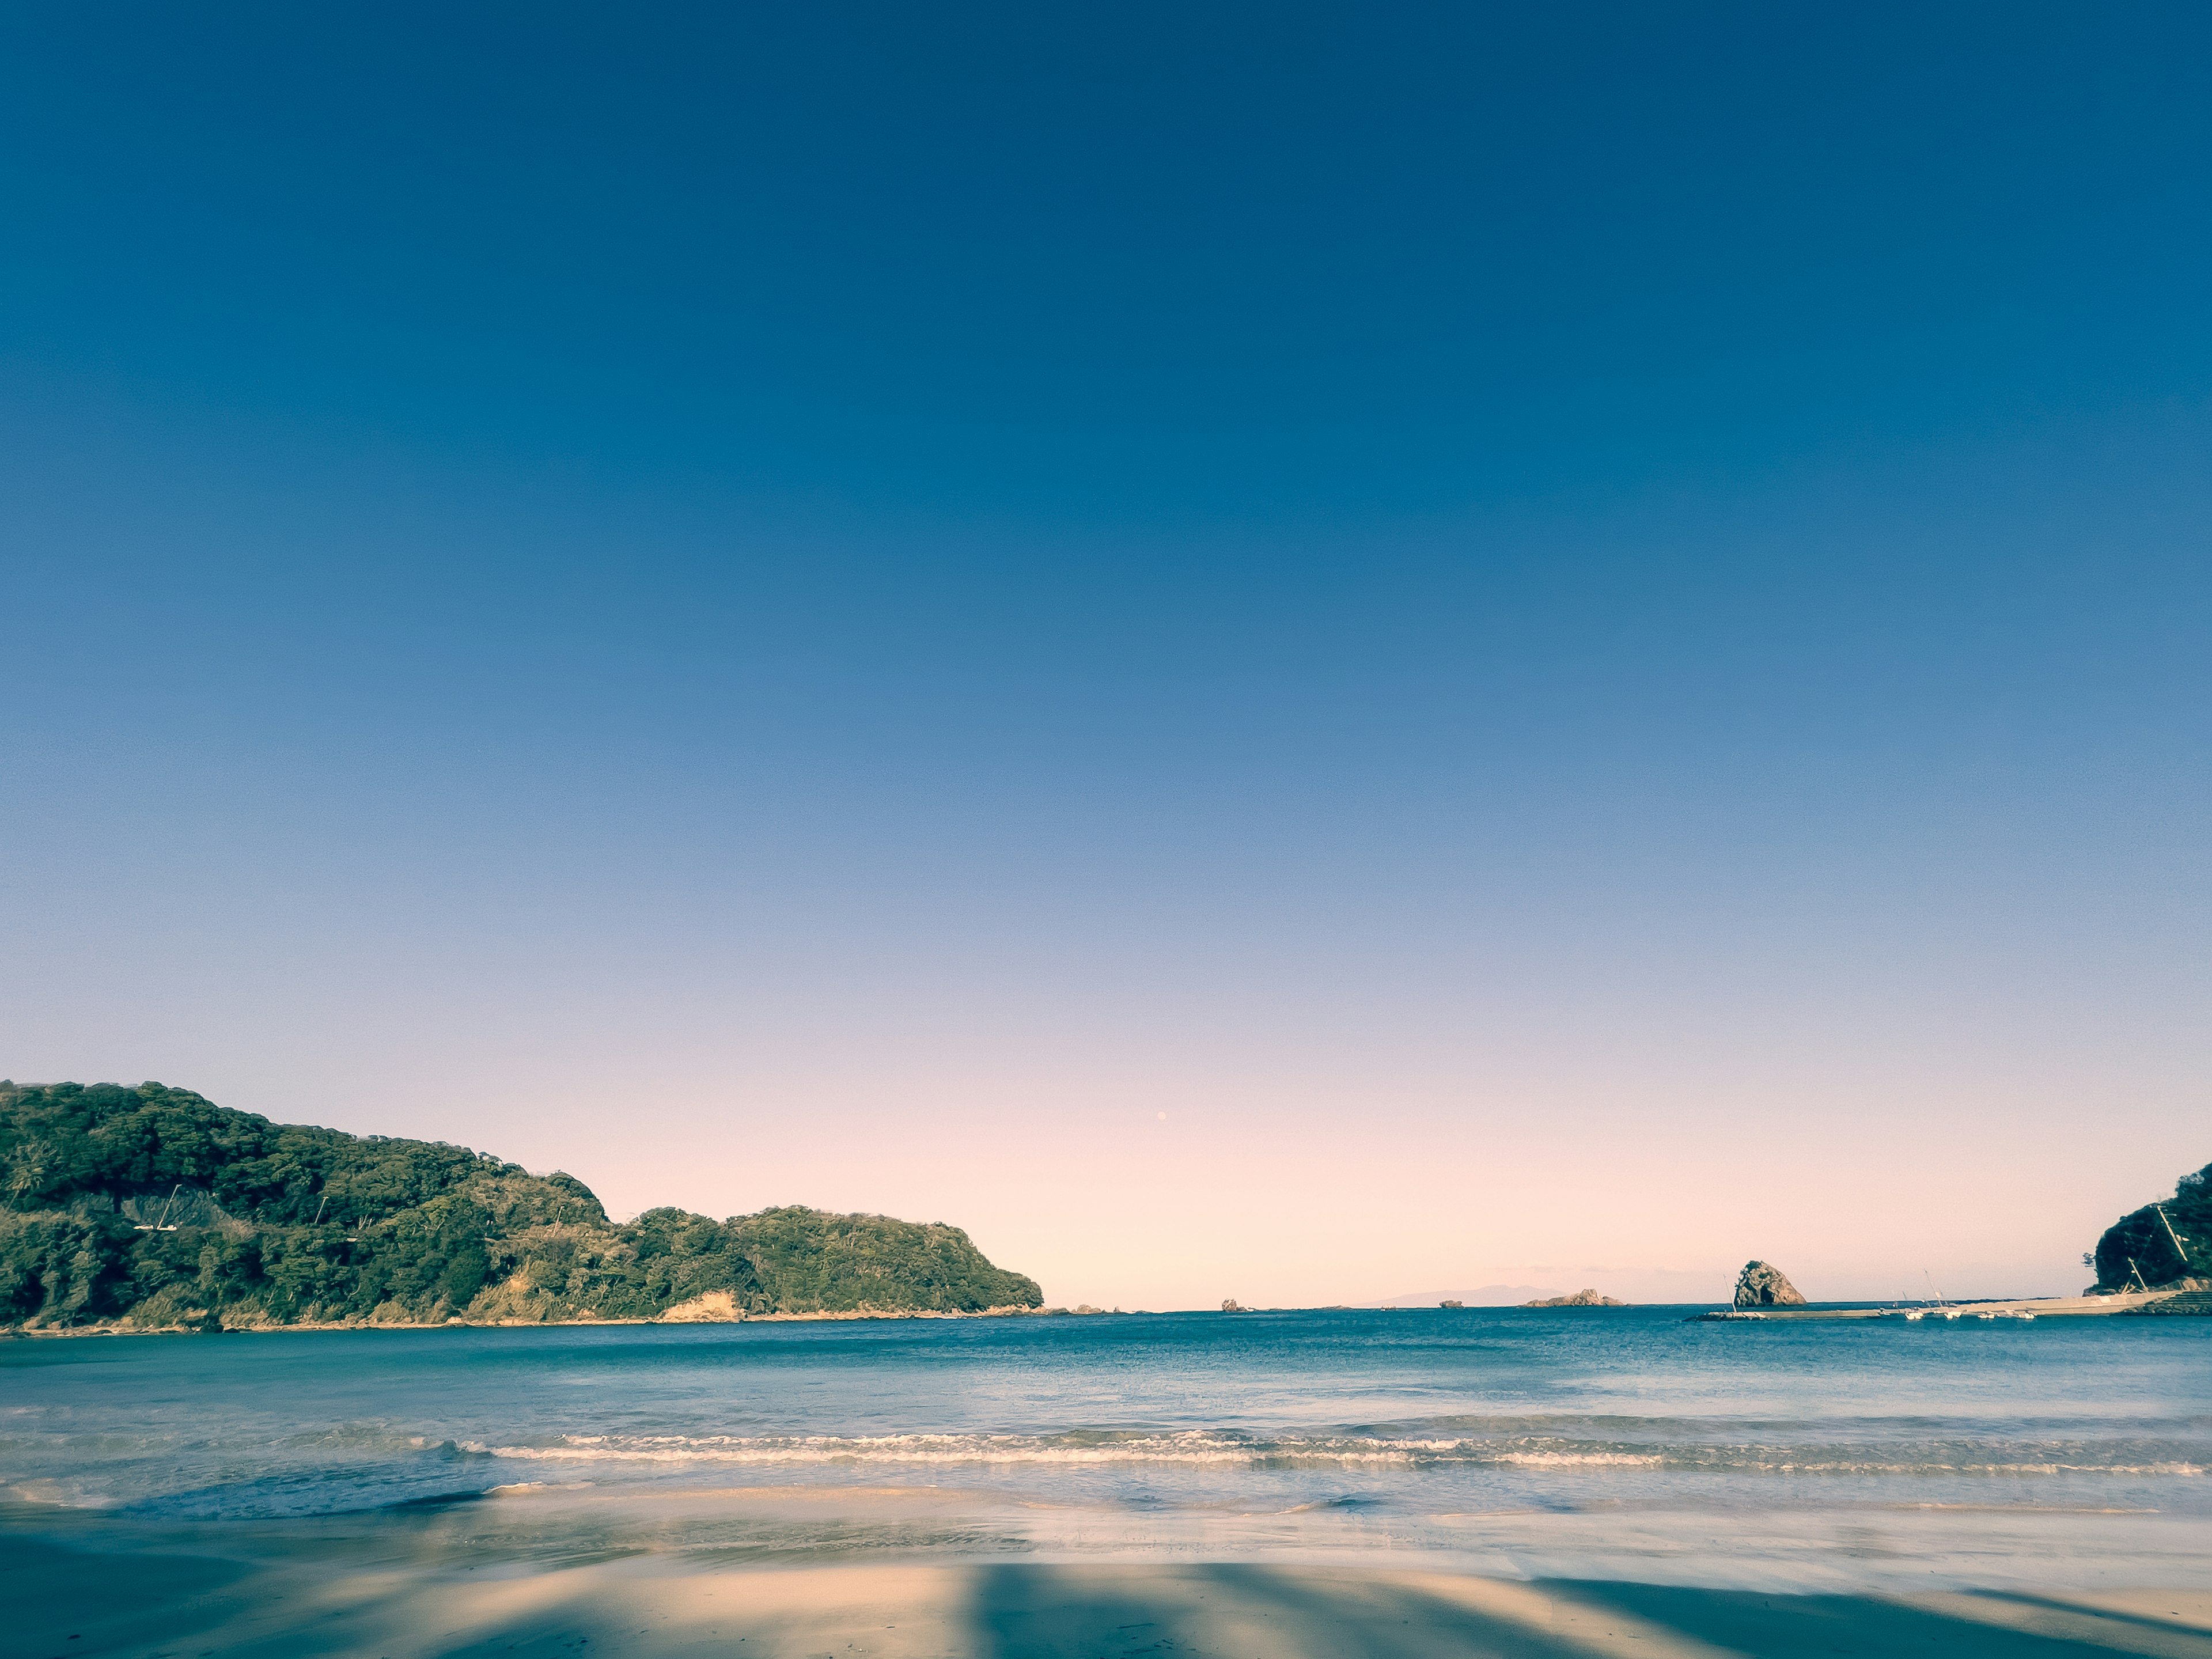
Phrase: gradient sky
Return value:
(1310, 654)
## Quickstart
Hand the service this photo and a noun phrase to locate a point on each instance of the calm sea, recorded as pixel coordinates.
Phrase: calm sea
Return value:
(1621, 1443)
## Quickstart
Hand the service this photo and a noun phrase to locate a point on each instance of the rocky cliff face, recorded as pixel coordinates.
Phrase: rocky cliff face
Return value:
(1760, 1285)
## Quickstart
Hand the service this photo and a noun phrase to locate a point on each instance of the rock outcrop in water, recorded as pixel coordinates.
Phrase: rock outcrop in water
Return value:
(1585, 1298)
(1762, 1286)
(153, 1208)
(2165, 1243)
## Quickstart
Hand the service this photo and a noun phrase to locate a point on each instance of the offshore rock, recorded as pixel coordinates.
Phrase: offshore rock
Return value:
(1759, 1285)
(1579, 1299)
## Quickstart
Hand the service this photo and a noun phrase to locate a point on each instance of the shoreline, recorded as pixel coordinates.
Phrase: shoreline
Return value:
(2045, 1307)
(110, 1328)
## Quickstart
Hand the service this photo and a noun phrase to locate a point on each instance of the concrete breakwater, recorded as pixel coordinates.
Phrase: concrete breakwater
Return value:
(2025, 1308)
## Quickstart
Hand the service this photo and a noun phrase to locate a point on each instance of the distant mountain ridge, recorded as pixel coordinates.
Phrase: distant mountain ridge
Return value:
(152, 1207)
(1483, 1296)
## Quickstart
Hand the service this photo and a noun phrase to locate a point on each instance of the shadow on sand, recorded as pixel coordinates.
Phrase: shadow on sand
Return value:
(183, 1605)
(1030, 1612)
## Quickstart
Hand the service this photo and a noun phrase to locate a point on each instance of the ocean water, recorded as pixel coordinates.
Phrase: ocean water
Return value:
(1580, 1442)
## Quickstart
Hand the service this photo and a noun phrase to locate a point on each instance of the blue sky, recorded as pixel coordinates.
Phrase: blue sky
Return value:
(1495, 612)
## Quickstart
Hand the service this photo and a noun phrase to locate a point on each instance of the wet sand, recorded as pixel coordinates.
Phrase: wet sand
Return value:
(65, 1600)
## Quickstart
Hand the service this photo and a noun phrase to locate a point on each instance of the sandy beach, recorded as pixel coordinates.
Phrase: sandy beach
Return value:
(172, 1601)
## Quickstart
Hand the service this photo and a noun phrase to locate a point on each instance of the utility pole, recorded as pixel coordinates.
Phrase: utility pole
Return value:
(2173, 1237)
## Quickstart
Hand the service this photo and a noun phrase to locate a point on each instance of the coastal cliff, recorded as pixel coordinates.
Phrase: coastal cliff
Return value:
(153, 1208)
(2167, 1241)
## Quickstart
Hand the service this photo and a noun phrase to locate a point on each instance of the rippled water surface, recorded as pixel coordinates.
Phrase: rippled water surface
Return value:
(1569, 1440)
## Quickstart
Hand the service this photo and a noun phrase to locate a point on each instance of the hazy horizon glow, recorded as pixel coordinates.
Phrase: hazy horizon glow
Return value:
(1305, 659)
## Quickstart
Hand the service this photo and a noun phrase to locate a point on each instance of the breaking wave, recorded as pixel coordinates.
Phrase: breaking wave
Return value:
(1201, 1448)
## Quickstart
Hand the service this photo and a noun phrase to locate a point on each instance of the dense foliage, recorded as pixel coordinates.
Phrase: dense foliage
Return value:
(2145, 1248)
(153, 1207)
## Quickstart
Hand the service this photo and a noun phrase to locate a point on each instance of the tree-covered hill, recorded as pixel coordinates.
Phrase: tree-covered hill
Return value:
(2147, 1248)
(154, 1207)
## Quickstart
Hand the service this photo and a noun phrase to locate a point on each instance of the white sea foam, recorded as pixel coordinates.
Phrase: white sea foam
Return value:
(1201, 1447)
(1566, 1459)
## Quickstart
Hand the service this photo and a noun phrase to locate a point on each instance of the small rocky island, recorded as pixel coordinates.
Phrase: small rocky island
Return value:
(1584, 1299)
(1760, 1285)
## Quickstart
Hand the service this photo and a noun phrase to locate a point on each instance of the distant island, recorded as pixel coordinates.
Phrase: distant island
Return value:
(2166, 1244)
(1579, 1299)
(153, 1208)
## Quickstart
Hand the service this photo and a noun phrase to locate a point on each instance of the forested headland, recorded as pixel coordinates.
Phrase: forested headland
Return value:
(153, 1208)
(2165, 1242)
